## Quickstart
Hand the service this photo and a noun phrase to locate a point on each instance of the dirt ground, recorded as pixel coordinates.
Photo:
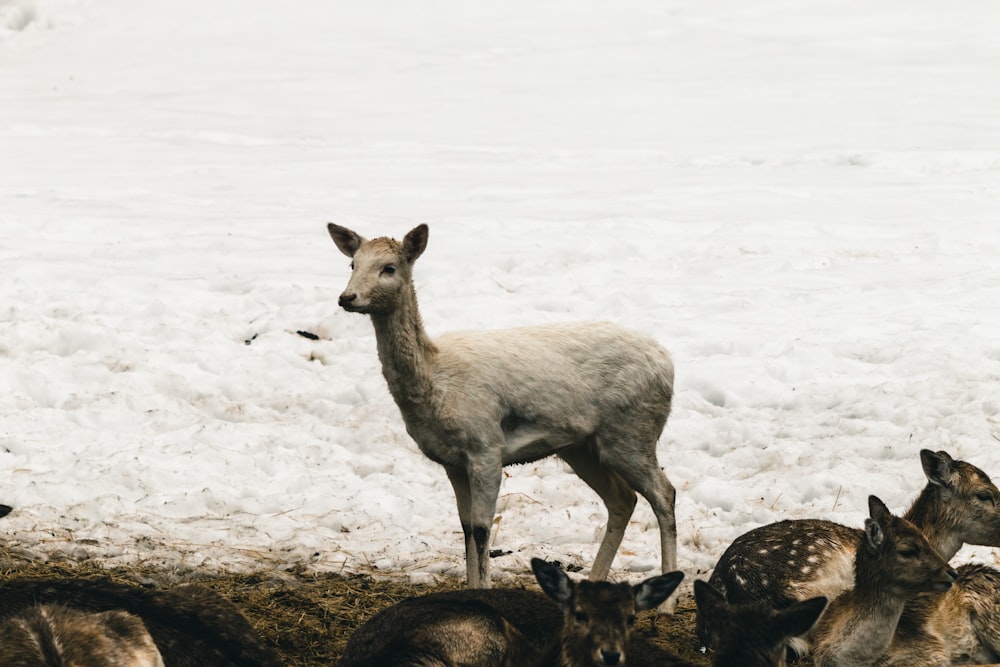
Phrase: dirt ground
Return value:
(309, 617)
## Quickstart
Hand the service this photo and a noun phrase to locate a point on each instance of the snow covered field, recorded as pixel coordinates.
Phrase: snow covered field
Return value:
(800, 200)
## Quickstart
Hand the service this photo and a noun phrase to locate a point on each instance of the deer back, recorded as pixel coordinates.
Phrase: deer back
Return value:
(54, 636)
(192, 626)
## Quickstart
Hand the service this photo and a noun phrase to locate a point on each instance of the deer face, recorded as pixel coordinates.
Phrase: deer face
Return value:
(599, 615)
(599, 622)
(381, 269)
(974, 505)
(908, 563)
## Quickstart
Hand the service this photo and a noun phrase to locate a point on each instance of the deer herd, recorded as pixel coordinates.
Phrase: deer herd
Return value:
(597, 396)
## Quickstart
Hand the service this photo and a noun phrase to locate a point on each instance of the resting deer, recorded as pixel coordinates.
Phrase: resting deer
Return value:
(579, 624)
(957, 626)
(783, 562)
(57, 636)
(191, 625)
(594, 394)
(751, 635)
(893, 563)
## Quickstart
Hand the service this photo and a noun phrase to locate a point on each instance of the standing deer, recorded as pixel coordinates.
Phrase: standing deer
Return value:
(573, 624)
(57, 636)
(793, 560)
(752, 635)
(893, 563)
(593, 394)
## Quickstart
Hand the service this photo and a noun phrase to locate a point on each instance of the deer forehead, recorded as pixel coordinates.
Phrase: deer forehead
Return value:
(604, 598)
(382, 246)
(972, 479)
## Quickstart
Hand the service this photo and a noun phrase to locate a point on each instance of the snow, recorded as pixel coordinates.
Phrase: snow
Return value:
(800, 201)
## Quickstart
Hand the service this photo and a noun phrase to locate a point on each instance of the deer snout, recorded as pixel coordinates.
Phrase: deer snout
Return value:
(347, 299)
(610, 657)
(945, 582)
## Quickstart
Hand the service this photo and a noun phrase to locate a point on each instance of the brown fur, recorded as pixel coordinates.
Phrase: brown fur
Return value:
(957, 626)
(574, 624)
(56, 636)
(780, 563)
(192, 626)
(749, 635)
(893, 563)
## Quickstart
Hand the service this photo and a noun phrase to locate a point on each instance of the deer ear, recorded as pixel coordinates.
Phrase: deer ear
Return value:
(874, 535)
(939, 467)
(346, 240)
(874, 525)
(799, 618)
(553, 580)
(706, 595)
(415, 242)
(655, 590)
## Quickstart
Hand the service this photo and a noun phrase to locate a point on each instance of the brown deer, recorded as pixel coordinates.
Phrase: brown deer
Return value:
(57, 636)
(787, 561)
(573, 624)
(751, 635)
(192, 626)
(592, 393)
(957, 626)
(893, 563)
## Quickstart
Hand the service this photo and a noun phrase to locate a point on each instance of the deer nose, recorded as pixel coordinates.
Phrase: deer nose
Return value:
(346, 299)
(611, 657)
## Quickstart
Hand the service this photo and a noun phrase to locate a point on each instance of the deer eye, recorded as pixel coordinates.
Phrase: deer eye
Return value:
(389, 268)
(581, 617)
(908, 552)
(985, 496)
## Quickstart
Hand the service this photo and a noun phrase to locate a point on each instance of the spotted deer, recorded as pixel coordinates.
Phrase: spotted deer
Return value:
(58, 636)
(792, 560)
(192, 626)
(571, 624)
(752, 635)
(594, 394)
(893, 563)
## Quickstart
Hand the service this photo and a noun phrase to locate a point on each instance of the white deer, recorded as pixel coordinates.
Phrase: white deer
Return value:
(592, 393)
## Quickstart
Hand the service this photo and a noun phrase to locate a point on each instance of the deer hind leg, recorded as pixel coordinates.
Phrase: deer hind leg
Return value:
(632, 456)
(617, 495)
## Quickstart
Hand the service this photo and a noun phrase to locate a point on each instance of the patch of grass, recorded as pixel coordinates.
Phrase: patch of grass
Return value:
(309, 617)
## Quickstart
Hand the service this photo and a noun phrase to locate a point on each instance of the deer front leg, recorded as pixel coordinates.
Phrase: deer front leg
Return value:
(459, 479)
(483, 477)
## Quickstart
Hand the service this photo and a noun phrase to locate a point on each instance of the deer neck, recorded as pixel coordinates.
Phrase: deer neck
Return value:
(875, 610)
(406, 352)
(929, 513)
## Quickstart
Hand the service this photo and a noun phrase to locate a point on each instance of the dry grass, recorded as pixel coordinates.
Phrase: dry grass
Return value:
(309, 617)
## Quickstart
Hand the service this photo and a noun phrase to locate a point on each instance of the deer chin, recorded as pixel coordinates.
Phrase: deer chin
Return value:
(364, 308)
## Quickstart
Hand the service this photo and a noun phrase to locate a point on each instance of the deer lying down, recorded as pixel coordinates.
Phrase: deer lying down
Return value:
(573, 624)
(749, 635)
(57, 636)
(957, 626)
(893, 564)
(592, 393)
(192, 626)
(784, 562)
